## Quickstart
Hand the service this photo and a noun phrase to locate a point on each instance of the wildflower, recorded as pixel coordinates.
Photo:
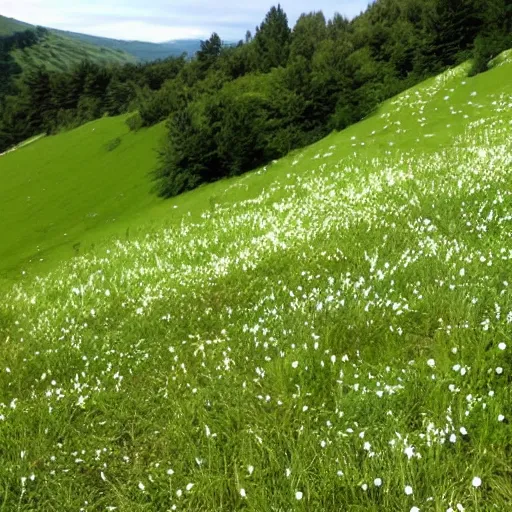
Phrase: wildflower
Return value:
(242, 493)
(477, 481)
(377, 482)
(409, 451)
(408, 490)
(415, 509)
(295, 364)
(431, 363)
(499, 370)
(502, 346)
(364, 487)
(298, 495)
(189, 486)
(501, 417)
(141, 486)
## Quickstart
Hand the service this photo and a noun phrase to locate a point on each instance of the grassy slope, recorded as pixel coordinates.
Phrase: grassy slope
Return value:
(142, 50)
(58, 190)
(58, 53)
(295, 335)
(9, 26)
(64, 47)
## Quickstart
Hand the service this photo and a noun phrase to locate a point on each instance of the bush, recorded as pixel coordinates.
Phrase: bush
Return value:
(113, 144)
(134, 122)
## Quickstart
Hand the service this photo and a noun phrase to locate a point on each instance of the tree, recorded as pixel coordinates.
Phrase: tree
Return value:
(273, 39)
(309, 31)
(209, 52)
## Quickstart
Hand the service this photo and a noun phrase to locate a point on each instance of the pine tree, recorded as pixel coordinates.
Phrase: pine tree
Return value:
(273, 39)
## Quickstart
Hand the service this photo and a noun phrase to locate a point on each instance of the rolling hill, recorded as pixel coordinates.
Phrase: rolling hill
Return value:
(143, 51)
(56, 52)
(329, 332)
(98, 48)
(9, 26)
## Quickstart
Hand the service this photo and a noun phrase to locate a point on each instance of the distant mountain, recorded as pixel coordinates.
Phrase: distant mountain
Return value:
(25, 47)
(143, 51)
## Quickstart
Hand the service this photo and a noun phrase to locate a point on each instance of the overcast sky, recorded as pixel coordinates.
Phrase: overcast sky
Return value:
(163, 20)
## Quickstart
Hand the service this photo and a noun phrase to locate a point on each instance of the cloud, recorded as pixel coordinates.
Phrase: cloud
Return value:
(160, 20)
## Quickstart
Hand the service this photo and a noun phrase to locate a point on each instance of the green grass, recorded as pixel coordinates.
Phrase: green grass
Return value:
(319, 334)
(9, 26)
(59, 194)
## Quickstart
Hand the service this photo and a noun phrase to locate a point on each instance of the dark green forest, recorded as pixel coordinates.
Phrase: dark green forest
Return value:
(233, 108)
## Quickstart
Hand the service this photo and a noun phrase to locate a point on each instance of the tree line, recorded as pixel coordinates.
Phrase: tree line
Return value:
(49, 101)
(232, 108)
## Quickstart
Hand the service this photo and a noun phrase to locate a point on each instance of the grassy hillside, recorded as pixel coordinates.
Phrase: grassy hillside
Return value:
(332, 332)
(143, 51)
(101, 49)
(58, 189)
(58, 53)
(9, 26)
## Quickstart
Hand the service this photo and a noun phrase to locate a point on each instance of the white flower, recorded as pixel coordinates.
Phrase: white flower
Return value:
(453, 438)
(141, 486)
(298, 495)
(408, 490)
(409, 451)
(477, 481)
(102, 476)
(415, 509)
(242, 493)
(250, 469)
(295, 364)
(189, 486)
(431, 363)
(499, 370)
(460, 508)
(502, 346)
(170, 472)
(501, 417)
(377, 482)
(364, 487)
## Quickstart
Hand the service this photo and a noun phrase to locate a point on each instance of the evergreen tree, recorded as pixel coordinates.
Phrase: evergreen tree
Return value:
(273, 39)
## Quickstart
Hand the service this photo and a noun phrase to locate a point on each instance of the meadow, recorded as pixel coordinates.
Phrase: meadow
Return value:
(329, 332)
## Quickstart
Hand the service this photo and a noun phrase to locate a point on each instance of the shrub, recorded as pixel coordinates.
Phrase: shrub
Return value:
(134, 122)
